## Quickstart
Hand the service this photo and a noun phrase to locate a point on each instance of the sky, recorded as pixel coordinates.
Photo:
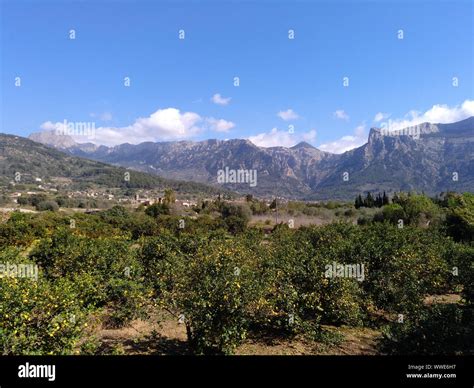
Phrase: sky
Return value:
(274, 72)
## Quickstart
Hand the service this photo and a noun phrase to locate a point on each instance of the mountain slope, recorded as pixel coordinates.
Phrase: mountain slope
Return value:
(426, 161)
(422, 158)
(34, 160)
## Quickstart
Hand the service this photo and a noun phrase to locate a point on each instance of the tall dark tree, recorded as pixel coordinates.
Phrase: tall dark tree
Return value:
(369, 201)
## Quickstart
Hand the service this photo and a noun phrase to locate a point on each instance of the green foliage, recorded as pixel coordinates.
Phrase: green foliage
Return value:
(416, 205)
(460, 217)
(105, 272)
(259, 207)
(38, 317)
(47, 205)
(438, 330)
(214, 294)
(461, 257)
(127, 300)
(393, 213)
(229, 281)
(370, 201)
(170, 197)
(157, 209)
(235, 217)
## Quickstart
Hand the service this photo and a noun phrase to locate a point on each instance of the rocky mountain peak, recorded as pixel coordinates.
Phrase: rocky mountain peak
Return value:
(53, 139)
(302, 144)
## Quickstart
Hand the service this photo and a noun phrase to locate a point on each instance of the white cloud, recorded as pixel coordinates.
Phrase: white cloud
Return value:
(380, 116)
(359, 131)
(288, 115)
(277, 138)
(440, 113)
(49, 126)
(437, 114)
(220, 125)
(340, 114)
(105, 116)
(219, 100)
(346, 143)
(162, 125)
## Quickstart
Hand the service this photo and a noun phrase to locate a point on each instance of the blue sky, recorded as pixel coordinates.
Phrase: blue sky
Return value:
(184, 88)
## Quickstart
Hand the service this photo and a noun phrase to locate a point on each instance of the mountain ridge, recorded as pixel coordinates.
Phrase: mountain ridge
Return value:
(421, 158)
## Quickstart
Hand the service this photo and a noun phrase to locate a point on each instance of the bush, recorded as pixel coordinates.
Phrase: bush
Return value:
(462, 257)
(415, 206)
(38, 317)
(158, 209)
(393, 212)
(105, 272)
(350, 213)
(436, 330)
(403, 265)
(127, 299)
(214, 294)
(235, 217)
(17, 231)
(460, 217)
(47, 206)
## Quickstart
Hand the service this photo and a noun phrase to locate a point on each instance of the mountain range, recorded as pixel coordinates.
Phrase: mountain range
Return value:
(28, 162)
(428, 157)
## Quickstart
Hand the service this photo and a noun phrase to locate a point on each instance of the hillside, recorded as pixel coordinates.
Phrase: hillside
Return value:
(34, 160)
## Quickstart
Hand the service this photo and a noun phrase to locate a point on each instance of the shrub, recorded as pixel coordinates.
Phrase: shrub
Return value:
(158, 209)
(214, 294)
(403, 265)
(460, 217)
(16, 231)
(47, 206)
(436, 330)
(235, 217)
(38, 317)
(393, 212)
(105, 272)
(462, 257)
(416, 205)
(127, 299)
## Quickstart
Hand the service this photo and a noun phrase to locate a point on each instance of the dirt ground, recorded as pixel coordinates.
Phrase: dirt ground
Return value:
(163, 335)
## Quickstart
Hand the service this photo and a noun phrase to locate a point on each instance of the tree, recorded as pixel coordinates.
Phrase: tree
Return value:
(47, 205)
(236, 217)
(37, 198)
(393, 213)
(170, 196)
(369, 201)
(214, 294)
(378, 200)
(460, 217)
(158, 209)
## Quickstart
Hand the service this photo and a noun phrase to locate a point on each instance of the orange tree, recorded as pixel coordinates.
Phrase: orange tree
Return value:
(209, 283)
(105, 271)
(38, 316)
